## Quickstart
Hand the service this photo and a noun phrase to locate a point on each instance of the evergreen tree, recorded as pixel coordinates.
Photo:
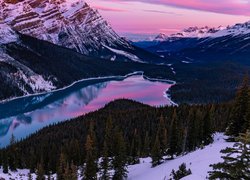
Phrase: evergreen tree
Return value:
(61, 167)
(238, 121)
(32, 161)
(5, 164)
(74, 172)
(12, 155)
(146, 145)
(173, 144)
(120, 158)
(236, 161)
(135, 149)
(207, 129)
(67, 173)
(105, 163)
(40, 172)
(181, 172)
(109, 136)
(162, 131)
(191, 139)
(156, 154)
(91, 162)
(247, 116)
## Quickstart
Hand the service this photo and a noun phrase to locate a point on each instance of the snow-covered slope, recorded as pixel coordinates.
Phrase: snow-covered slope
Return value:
(15, 73)
(69, 23)
(198, 161)
(7, 35)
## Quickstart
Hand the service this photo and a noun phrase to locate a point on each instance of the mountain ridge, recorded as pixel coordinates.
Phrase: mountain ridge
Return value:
(71, 24)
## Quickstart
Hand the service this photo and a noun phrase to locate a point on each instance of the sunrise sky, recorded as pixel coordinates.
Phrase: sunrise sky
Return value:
(168, 16)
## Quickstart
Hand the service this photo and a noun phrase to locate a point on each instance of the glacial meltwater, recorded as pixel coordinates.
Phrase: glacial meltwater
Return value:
(23, 116)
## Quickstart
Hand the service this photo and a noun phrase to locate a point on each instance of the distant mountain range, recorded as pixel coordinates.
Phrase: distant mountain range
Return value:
(232, 40)
(209, 63)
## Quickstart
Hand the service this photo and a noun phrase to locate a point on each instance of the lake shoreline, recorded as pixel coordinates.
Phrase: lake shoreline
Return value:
(93, 79)
(72, 84)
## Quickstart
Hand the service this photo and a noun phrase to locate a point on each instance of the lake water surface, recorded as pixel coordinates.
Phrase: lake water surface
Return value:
(26, 115)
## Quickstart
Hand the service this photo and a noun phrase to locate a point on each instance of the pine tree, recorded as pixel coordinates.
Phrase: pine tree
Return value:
(173, 144)
(156, 154)
(162, 131)
(91, 160)
(74, 172)
(107, 151)
(67, 173)
(12, 155)
(236, 161)
(247, 116)
(61, 167)
(146, 145)
(40, 172)
(105, 163)
(109, 136)
(181, 172)
(135, 149)
(5, 163)
(120, 159)
(207, 129)
(237, 119)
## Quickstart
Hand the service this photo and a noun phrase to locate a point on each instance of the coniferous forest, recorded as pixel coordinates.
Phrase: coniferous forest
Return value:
(121, 133)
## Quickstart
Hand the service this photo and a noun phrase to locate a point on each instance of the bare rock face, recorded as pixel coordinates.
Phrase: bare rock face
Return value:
(69, 23)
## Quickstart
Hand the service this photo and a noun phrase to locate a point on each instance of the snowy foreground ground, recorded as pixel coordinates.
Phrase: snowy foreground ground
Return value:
(198, 161)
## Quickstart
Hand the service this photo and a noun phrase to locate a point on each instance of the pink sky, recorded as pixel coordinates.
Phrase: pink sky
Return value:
(168, 16)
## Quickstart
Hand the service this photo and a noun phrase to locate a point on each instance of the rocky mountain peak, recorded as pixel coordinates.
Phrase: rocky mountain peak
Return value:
(69, 23)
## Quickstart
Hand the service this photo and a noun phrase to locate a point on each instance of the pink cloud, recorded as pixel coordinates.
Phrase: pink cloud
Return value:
(233, 7)
(103, 8)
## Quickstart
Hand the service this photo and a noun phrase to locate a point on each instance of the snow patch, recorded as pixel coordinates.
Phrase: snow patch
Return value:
(123, 53)
(7, 35)
(198, 161)
(37, 82)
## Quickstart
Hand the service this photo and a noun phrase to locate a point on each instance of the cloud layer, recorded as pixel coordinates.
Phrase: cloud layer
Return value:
(233, 7)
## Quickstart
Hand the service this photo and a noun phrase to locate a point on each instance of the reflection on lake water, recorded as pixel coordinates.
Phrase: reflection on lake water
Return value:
(29, 114)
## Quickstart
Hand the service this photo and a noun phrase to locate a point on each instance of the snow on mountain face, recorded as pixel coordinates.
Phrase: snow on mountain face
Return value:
(7, 35)
(207, 32)
(161, 37)
(22, 77)
(235, 30)
(69, 23)
(191, 32)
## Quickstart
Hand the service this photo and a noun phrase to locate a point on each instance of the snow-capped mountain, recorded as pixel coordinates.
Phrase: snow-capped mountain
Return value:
(191, 32)
(69, 23)
(237, 29)
(161, 37)
(207, 32)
